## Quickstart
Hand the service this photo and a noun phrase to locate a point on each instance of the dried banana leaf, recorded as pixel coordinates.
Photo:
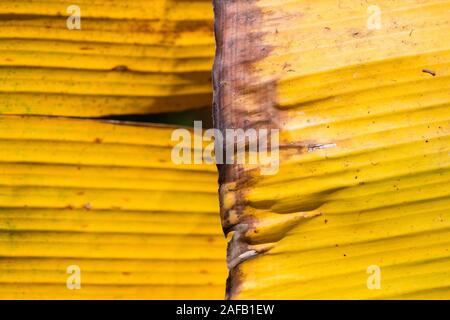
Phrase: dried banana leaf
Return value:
(363, 113)
(128, 57)
(105, 197)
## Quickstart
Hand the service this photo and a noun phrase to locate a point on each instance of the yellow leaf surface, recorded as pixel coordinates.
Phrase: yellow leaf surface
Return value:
(105, 196)
(128, 57)
(364, 121)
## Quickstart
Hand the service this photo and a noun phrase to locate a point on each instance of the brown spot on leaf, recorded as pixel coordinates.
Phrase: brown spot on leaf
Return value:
(433, 73)
(120, 68)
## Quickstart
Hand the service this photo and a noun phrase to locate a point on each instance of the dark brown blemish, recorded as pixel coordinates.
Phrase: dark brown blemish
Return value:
(429, 72)
(239, 45)
(242, 99)
(120, 68)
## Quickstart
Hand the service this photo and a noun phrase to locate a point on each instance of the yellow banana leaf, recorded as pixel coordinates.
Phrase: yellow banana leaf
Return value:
(360, 93)
(106, 198)
(123, 57)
